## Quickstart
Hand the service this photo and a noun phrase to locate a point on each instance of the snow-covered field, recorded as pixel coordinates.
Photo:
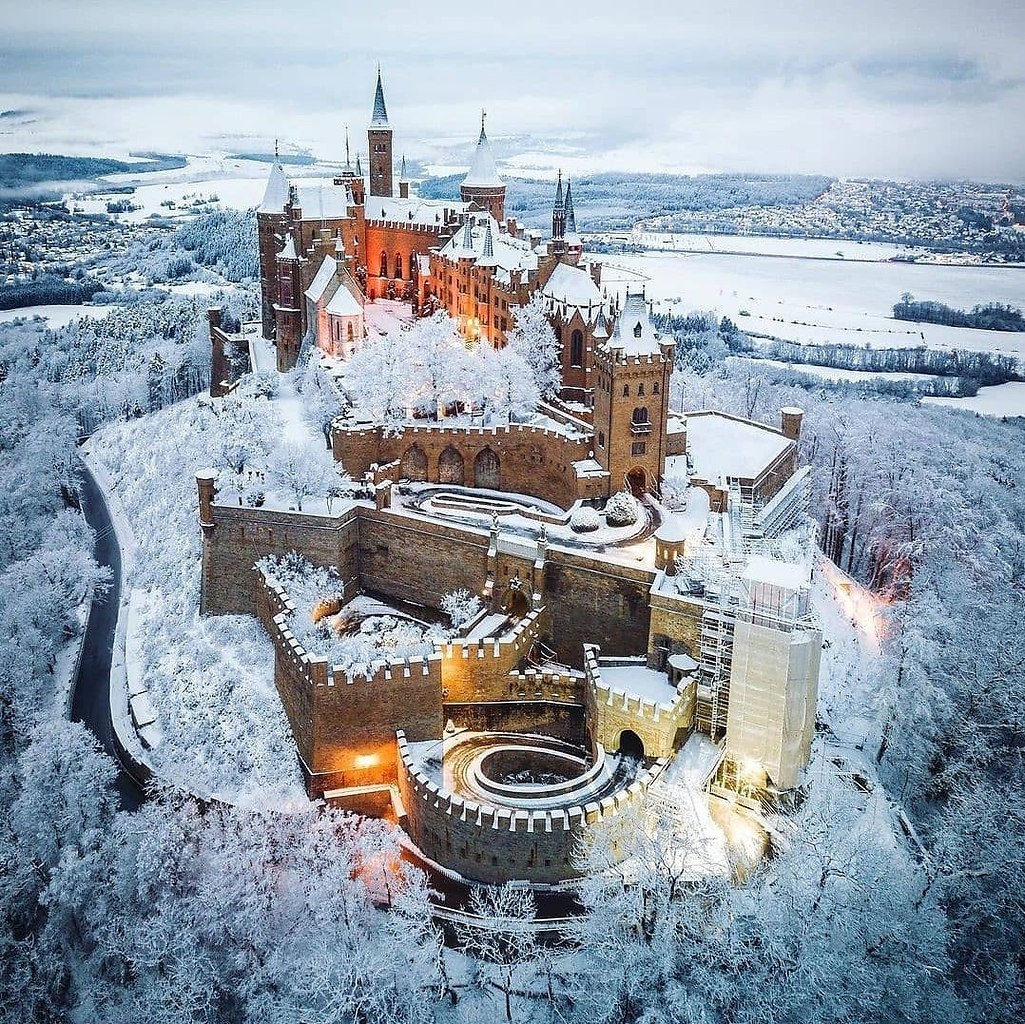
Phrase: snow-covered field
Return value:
(829, 372)
(1000, 400)
(210, 679)
(815, 301)
(57, 316)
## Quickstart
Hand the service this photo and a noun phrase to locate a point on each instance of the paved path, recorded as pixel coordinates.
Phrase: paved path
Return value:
(91, 697)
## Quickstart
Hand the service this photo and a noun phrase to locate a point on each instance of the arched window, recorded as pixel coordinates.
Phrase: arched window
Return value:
(349, 332)
(576, 349)
(398, 266)
(640, 390)
(640, 415)
(601, 438)
(654, 388)
(384, 264)
(626, 390)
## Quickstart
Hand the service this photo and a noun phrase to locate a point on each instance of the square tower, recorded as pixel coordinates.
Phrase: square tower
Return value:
(631, 401)
(380, 139)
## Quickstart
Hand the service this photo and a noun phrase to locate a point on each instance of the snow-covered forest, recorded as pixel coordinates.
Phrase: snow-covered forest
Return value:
(893, 891)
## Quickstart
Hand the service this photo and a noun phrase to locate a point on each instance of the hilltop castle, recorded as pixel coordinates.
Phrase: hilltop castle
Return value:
(673, 659)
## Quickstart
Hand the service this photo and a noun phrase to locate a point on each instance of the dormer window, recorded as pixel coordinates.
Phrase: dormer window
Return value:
(637, 329)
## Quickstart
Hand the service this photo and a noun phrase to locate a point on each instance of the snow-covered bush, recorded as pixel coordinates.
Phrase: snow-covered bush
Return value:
(460, 606)
(584, 520)
(674, 492)
(622, 509)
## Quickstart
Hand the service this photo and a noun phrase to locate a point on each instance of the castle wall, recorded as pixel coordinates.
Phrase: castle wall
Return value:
(675, 628)
(532, 460)
(494, 844)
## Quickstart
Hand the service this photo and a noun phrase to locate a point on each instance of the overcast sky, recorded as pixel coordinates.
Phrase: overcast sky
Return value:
(900, 88)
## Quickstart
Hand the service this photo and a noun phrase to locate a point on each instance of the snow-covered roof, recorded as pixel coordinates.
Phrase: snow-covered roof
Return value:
(786, 575)
(322, 199)
(678, 526)
(276, 194)
(483, 173)
(507, 253)
(573, 286)
(634, 333)
(639, 681)
(422, 212)
(288, 253)
(725, 446)
(344, 303)
(323, 278)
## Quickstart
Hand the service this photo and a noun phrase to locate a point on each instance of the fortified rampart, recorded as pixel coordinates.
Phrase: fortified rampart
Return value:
(492, 843)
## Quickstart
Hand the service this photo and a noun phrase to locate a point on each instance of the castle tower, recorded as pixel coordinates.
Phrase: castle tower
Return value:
(631, 400)
(403, 181)
(287, 314)
(482, 185)
(270, 229)
(379, 136)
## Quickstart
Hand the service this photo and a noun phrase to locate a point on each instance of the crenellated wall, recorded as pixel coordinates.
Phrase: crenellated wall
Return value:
(492, 844)
(526, 459)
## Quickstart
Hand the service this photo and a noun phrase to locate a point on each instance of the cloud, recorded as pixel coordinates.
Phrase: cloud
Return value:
(916, 88)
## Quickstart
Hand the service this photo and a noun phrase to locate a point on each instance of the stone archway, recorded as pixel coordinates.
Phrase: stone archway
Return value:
(414, 464)
(637, 482)
(516, 604)
(486, 470)
(631, 745)
(450, 467)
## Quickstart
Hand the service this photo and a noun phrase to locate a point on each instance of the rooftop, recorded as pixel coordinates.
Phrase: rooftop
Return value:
(483, 173)
(276, 194)
(721, 446)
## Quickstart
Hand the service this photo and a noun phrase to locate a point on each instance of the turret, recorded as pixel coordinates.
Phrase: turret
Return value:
(559, 213)
(270, 229)
(482, 185)
(574, 247)
(379, 136)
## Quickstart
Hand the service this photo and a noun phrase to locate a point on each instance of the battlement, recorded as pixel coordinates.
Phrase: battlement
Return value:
(438, 802)
(454, 430)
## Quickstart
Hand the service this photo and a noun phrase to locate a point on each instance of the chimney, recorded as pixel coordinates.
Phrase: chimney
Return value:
(790, 422)
(403, 190)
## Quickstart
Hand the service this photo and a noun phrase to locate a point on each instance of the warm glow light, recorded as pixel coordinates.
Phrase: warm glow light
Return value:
(366, 760)
(858, 603)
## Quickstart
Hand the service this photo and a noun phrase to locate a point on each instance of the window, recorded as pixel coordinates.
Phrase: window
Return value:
(384, 264)
(626, 390)
(398, 266)
(637, 330)
(654, 388)
(601, 438)
(349, 333)
(640, 390)
(576, 349)
(637, 448)
(640, 415)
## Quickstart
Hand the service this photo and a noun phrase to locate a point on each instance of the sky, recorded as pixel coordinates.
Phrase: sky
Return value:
(903, 88)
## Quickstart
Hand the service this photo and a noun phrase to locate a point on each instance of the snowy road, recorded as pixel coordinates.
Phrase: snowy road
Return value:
(91, 697)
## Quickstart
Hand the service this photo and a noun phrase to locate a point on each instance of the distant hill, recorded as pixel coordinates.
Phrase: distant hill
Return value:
(21, 169)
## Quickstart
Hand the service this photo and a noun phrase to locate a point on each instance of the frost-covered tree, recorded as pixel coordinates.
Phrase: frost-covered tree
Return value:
(460, 606)
(622, 509)
(533, 339)
(302, 472)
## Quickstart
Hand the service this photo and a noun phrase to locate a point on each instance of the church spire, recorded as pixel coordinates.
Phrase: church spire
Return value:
(559, 212)
(571, 218)
(348, 162)
(380, 116)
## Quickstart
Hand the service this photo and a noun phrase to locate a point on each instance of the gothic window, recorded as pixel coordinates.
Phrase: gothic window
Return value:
(640, 390)
(626, 390)
(640, 415)
(637, 329)
(576, 349)
(349, 333)
(398, 266)
(384, 264)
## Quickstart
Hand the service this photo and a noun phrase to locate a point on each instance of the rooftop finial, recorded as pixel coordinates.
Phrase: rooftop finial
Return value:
(275, 149)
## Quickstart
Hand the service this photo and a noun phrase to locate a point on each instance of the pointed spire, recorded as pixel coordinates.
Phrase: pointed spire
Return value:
(483, 172)
(467, 242)
(489, 244)
(571, 219)
(560, 202)
(275, 150)
(402, 171)
(348, 164)
(380, 116)
(359, 167)
(276, 194)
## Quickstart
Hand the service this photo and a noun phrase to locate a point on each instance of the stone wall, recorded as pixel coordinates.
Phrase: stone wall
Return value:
(675, 626)
(530, 460)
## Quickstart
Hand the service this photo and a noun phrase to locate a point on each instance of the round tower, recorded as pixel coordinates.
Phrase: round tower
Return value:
(482, 185)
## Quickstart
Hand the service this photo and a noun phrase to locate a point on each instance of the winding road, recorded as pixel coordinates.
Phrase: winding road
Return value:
(90, 702)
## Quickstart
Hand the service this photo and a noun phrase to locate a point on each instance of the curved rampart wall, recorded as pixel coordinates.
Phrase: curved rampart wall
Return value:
(494, 844)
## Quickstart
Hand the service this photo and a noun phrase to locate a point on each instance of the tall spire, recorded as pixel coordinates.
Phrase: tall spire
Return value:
(489, 244)
(348, 163)
(380, 116)
(571, 218)
(559, 212)
(276, 194)
(402, 169)
(560, 202)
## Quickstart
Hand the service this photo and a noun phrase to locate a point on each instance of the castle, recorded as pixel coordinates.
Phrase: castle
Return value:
(606, 668)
